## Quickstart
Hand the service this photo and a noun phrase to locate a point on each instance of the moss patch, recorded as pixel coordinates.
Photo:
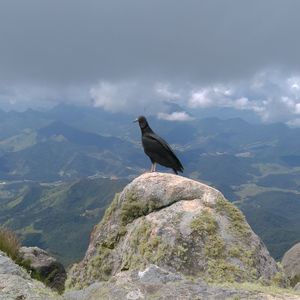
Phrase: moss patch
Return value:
(206, 226)
(144, 248)
(214, 247)
(133, 208)
(220, 266)
(100, 266)
(294, 280)
(181, 251)
(258, 287)
(219, 270)
(247, 257)
(111, 209)
(204, 223)
(114, 238)
(238, 225)
(280, 279)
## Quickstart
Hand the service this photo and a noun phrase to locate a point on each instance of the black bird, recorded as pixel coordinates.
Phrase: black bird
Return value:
(158, 149)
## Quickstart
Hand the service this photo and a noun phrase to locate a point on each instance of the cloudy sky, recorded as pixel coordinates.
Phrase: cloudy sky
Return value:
(139, 55)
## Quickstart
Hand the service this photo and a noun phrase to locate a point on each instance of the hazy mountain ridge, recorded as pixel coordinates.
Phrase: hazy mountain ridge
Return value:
(59, 151)
(247, 162)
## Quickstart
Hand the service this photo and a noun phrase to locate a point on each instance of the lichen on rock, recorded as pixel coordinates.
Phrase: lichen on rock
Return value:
(16, 283)
(178, 224)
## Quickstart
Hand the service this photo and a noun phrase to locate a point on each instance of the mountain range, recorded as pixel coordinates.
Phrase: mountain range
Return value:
(43, 153)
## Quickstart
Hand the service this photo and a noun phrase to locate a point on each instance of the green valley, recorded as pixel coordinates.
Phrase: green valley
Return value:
(57, 217)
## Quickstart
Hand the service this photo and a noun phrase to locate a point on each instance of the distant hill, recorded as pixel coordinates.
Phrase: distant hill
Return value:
(57, 217)
(61, 152)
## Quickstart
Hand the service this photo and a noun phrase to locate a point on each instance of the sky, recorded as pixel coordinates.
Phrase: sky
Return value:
(147, 56)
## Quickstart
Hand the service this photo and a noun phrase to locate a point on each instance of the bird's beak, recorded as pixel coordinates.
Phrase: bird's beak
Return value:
(136, 120)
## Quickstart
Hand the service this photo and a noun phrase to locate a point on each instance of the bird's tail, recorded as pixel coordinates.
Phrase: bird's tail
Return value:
(175, 171)
(178, 168)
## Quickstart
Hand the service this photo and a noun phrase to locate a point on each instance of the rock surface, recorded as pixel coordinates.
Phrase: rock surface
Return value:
(164, 237)
(156, 283)
(291, 264)
(178, 224)
(16, 284)
(152, 282)
(46, 267)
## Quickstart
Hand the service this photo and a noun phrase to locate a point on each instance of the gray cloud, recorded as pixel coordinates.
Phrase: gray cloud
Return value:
(271, 95)
(128, 96)
(204, 41)
(148, 56)
(22, 96)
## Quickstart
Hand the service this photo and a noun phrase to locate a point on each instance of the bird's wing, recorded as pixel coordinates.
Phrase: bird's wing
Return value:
(164, 144)
(160, 140)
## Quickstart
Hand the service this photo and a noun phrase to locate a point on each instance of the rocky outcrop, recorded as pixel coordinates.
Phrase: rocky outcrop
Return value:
(180, 225)
(163, 237)
(291, 264)
(44, 267)
(154, 282)
(16, 283)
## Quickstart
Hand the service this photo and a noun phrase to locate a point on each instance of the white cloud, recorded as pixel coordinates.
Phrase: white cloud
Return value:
(218, 95)
(127, 96)
(164, 90)
(175, 116)
(294, 122)
(201, 98)
(294, 84)
(110, 97)
(269, 94)
(297, 108)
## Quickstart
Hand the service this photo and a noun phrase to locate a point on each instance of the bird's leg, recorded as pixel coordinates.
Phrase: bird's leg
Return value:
(153, 167)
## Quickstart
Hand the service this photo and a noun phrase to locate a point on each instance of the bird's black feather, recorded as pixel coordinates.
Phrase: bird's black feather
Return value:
(158, 150)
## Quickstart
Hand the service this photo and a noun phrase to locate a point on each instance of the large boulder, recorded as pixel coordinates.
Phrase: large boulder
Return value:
(45, 267)
(16, 283)
(291, 264)
(180, 225)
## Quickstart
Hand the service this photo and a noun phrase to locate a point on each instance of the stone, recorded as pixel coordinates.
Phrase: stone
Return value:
(7, 267)
(16, 283)
(153, 274)
(45, 267)
(291, 264)
(154, 282)
(180, 225)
